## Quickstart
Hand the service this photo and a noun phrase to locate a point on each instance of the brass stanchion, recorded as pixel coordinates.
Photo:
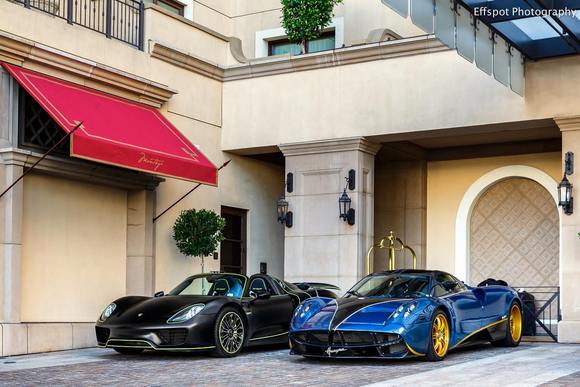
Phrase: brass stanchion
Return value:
(390, 242)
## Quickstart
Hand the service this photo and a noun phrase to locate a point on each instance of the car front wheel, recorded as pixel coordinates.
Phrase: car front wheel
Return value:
(440, 336)
(229, 333)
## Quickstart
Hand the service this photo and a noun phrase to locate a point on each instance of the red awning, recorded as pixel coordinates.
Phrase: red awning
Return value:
(117, 131)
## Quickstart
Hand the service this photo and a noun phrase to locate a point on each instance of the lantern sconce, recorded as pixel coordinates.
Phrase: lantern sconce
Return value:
(347, 213)
(284, 216)
(565, 199)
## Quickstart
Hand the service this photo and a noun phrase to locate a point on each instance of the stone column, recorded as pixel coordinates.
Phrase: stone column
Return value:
(320, 246)
(11, 244)
(569, 327)
(140, 237)
(10, 209)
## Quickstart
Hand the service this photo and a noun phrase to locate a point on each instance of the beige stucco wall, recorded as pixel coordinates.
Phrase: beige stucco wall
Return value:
(245, 183)
(447, 182)
(392, 96)
(74, 249)
(256, 186)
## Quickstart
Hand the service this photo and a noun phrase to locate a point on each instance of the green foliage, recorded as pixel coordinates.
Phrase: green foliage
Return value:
(304, 20)
(198, 233)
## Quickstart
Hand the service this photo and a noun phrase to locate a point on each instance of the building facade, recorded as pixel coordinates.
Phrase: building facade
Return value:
(460, 167)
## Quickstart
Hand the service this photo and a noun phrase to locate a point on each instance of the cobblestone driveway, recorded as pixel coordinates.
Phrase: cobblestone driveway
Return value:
(529, 364)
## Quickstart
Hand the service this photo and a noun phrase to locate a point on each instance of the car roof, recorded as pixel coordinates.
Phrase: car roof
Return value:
(409, 271)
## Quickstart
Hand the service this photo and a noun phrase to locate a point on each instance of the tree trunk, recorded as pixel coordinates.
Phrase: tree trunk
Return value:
(303, 46)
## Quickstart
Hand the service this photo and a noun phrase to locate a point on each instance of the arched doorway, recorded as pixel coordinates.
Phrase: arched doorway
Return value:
(514, 234)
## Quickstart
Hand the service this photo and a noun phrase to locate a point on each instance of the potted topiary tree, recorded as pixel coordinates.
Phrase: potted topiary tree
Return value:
(305, 20)
(198, 233)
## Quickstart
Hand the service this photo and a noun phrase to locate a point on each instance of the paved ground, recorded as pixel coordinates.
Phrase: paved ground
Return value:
(529, 364)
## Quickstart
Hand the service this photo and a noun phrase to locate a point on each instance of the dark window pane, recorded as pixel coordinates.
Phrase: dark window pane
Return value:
(284, 47)
(321, 44)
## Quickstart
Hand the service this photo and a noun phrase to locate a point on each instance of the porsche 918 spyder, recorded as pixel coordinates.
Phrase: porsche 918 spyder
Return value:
(402, 313)
(208, 312)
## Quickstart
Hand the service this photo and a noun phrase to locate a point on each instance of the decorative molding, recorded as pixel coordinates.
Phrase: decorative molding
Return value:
(471, 196)
(27, 53)
(330, 146)
(81, 170)
(186, 61)
(282, 64)
(569, 123)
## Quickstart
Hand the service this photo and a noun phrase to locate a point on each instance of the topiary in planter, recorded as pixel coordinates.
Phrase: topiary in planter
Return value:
(198, 233)
(304, 20)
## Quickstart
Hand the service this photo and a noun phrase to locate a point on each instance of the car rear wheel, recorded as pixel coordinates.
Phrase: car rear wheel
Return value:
(513, 334)
(229, 333)
(129, 351)
(440, 336)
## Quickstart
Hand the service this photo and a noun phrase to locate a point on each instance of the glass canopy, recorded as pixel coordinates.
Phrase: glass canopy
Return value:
(537, 28)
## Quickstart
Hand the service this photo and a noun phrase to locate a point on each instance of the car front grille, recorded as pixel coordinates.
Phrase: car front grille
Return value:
(347, 338)
(316, 338)
(174, 336)
(354, 338)
(102, 334)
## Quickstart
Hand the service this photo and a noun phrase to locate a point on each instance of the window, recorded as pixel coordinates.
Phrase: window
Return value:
(37, 130)
(283, 46)
(170, 5)
(444, 277)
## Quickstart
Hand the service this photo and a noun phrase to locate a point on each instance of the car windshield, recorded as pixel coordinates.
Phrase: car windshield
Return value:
(392, 286)
(228, 285)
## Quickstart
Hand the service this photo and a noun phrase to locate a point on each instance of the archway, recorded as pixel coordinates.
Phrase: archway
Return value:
(514, 235)
(475, 191)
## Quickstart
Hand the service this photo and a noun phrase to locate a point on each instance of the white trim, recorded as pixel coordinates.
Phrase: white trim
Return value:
(472, 195)
(264, 36)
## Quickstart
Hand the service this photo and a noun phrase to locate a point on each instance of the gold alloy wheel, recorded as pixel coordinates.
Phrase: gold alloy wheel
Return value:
(516, 323)
(231, 332)
(440, 335)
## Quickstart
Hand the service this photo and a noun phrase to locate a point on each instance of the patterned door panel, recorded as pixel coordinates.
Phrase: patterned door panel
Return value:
(514, 235)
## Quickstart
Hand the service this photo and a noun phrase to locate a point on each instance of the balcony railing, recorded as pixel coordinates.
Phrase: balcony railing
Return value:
(116, 19)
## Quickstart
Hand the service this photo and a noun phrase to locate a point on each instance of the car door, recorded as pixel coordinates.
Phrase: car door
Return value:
(271, 316)
(466, 304)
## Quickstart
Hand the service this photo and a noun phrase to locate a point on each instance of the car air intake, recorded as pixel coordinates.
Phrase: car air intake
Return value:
(102, 334)
(175, 336)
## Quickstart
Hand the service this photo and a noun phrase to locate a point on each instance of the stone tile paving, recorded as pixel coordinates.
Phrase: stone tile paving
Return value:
(256, 367)
(572, 380)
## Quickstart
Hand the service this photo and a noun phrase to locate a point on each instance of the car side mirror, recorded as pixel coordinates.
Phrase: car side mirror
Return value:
(260, 294)
(449, 285)
(303, 286)
(159, 294)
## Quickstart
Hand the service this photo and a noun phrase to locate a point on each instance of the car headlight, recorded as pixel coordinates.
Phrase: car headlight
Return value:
(186, 314)
(108, 311)
(407, 309)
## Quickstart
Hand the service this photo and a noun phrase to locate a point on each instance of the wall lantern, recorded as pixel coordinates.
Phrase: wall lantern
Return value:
(565, 199)
(344, 202)
(284, 216)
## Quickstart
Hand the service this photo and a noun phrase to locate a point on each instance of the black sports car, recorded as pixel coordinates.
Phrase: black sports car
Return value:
(214, 312)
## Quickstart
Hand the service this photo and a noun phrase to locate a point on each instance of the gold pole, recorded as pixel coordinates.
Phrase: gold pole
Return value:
(392, 247)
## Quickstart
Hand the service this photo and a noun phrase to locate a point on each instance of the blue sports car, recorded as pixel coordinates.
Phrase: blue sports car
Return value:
(402, 313)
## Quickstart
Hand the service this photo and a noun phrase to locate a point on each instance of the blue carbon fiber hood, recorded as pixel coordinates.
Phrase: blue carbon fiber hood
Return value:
(348, 313)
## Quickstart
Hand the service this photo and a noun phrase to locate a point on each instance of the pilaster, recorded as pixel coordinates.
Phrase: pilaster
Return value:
(140, 256)
(320, 246)
(569, 327)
